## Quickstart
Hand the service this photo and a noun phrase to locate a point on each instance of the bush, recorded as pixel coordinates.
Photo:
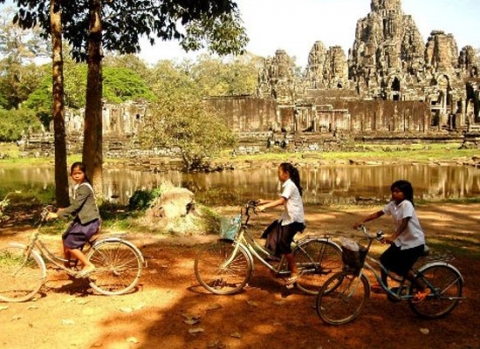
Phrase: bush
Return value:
(140, 200)
(13, 123)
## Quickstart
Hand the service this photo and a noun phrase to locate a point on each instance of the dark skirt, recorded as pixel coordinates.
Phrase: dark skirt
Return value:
(279, 237)
(78, 234)
(400, 261)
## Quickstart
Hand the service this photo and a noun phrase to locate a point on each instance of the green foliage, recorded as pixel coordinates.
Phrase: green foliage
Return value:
(222, 77)
(19, 49)
(219, 20)
(217, 33)
(13, 123)
(140, 200)
(185, 124)
(120, 85)
(123, 84)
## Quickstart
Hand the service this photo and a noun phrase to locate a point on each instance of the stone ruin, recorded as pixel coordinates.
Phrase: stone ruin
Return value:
(390, 85)
(433, 86)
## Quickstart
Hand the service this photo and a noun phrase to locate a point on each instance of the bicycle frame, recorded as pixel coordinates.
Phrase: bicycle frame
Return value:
(259, 252)
(398, 293)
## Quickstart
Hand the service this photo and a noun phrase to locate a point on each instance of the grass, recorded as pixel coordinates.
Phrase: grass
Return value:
(422, 153)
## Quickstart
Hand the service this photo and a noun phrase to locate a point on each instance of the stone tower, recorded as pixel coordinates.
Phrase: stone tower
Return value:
(276, 78)
(387, 46)
(327, 69)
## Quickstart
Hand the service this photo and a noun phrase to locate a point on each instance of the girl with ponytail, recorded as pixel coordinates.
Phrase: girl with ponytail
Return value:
(280, 233)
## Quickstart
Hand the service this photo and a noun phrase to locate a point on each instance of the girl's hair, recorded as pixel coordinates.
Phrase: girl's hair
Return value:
(81, 167)
(405, 187)
(294, 174)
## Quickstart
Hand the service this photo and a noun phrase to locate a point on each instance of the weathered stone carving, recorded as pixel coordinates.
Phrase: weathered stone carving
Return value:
(276, 78)
(390, 61)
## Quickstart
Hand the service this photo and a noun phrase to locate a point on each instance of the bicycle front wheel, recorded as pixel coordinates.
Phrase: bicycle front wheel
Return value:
(118, 267)
(20, 277)
(342, 298)
(221, 271)
(446, 286)
(317, 260)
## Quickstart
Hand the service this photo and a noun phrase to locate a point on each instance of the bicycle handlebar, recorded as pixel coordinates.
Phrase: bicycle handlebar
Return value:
(378, 236)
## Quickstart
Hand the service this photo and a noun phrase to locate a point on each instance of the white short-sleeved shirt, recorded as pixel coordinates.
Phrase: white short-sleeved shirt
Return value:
(413, 235)
(293, 208)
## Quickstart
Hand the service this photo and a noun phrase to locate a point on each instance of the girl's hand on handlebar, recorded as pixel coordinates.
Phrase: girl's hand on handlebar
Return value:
(51, 216)
(357, 225)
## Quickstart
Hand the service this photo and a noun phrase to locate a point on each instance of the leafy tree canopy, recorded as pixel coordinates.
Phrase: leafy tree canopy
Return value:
(120, 85)
(123, 84)
(214, 24)
(14, 123)
(19, 49)
(182, 122)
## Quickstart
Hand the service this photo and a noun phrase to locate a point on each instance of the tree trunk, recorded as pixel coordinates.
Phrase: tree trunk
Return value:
(92, 142)
(58, 112)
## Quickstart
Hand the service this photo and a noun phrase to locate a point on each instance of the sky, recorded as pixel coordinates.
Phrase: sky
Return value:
(295, 25)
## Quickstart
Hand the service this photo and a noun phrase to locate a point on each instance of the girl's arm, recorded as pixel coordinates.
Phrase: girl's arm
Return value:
(400, 230)
(371, 217)
(264, 205)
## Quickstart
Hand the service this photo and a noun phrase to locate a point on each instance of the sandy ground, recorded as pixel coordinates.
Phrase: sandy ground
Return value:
(67, 314)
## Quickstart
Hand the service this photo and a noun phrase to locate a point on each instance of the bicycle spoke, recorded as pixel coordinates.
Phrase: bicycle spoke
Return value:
(221, 268)
(20, 277)
(446, 286)
(118, 267)
(317, 260)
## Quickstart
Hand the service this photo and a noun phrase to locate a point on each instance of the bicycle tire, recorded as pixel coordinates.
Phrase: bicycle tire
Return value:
(447, 283)
(118, 267)
(21, 278)
(218, 278)
(342, 298)
(317, 260)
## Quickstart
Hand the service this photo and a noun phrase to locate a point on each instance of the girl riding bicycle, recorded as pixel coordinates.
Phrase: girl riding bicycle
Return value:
(407, 242)
(280, 233)
(86, 222)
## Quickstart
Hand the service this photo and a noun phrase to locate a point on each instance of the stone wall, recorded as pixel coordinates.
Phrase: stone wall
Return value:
(246, 113)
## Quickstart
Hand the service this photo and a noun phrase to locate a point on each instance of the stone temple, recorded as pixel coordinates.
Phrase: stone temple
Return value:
(390, 81)
(391, 85)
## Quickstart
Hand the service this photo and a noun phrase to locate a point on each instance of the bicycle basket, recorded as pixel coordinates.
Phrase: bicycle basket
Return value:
(229, 227)
(353, 256)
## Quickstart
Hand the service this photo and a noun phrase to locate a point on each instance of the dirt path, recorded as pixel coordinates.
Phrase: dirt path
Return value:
(67, 315)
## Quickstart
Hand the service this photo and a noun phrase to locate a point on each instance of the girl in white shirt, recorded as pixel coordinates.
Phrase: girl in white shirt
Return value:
(407, 242)
(280, 233)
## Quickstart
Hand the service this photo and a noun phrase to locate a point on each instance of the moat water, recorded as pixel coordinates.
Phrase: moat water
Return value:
(322, 185)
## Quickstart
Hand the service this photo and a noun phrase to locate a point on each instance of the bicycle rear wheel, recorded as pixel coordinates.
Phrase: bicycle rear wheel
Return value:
(317, 260)
(221, 272)
(342, 298)
(446, 284)
(20, 277)
(118, 267)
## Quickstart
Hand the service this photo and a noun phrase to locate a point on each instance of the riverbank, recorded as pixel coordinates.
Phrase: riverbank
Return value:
(364, 154)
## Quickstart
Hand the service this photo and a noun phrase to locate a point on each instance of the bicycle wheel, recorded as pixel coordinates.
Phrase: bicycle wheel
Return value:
(342, 297)
(446, 284)
(219, 271)
(317, 260)
(118, 267)
(21, 277)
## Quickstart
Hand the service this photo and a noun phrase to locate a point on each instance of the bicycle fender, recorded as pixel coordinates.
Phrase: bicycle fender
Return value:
(117, 239)
(33, 252)
(323, 239)
(445, 264)
(249, 254)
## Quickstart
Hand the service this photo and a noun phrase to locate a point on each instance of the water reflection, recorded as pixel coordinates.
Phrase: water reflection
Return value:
(343, 184)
